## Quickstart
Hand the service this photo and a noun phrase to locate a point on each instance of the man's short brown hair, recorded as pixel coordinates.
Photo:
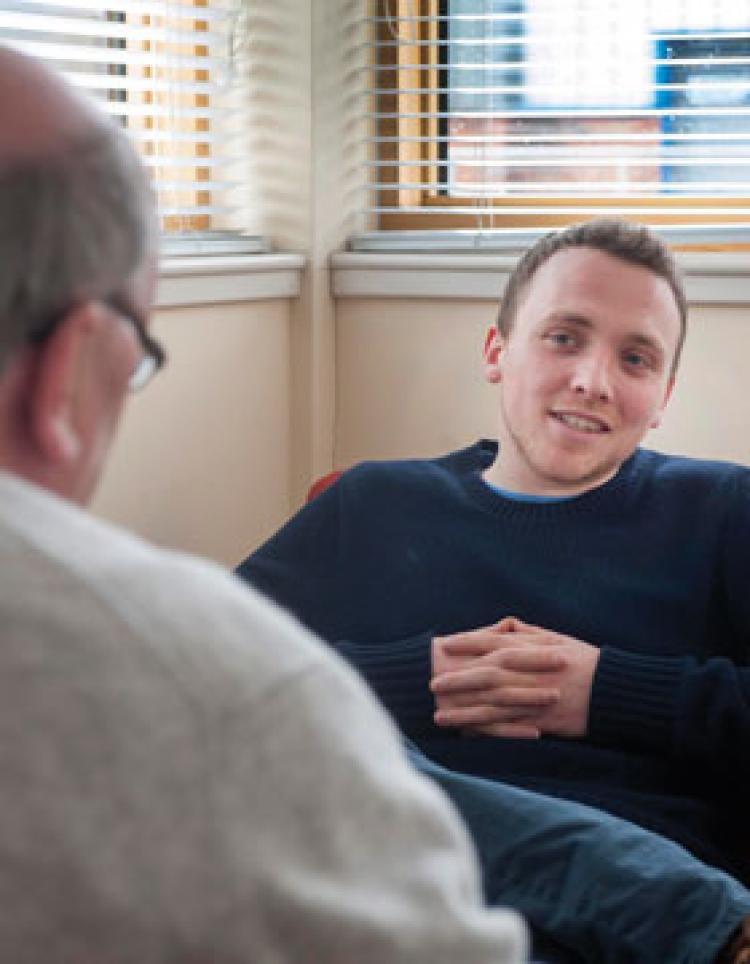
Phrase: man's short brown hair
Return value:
(632, 243)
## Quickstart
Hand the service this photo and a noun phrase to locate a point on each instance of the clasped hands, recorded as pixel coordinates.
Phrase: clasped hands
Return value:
(513, 679)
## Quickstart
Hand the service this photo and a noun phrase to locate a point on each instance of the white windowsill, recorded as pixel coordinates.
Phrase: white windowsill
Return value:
(710, 278)
(214, 279)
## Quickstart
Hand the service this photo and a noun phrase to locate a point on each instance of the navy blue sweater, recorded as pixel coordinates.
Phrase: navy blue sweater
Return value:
(653, 567)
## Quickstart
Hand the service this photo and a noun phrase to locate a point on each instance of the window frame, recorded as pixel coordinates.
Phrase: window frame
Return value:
(425, 73)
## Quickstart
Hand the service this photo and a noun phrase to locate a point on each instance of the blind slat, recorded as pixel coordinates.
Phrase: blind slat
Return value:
(572, 210)
(562, 114)
(560, 39)
(104, 29)
(111, 56)
(582, 139)
(480, 66)
(560, 188)
(163, 69)
(128, 84)
(570, 160)
(521, 90)
(190, 211)
(138, 8)
(177, 186)
(171, 112)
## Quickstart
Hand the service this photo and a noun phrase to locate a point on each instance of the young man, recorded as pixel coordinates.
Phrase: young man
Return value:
(183, 775)
(574, 604)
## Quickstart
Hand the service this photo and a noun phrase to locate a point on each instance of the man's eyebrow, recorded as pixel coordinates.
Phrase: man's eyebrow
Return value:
(570, 317)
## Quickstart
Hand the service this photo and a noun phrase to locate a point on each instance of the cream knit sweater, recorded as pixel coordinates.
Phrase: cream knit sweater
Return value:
(188, 776)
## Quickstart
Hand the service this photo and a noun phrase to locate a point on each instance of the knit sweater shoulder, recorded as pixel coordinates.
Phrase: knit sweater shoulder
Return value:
(182, 775)
(651, 567)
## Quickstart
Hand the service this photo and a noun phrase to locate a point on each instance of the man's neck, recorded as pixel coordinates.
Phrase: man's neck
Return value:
(505, 477)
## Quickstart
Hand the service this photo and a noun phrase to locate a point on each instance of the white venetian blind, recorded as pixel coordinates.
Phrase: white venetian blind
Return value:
(166, 70)
(497, 115)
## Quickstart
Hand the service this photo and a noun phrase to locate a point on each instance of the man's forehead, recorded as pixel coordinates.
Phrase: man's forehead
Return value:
(597, 275)
(582, 263)
(592, 285)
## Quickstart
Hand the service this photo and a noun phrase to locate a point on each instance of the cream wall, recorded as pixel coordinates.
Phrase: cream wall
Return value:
(409, 381)
(709, 413)
(202, 461)
(304, 147)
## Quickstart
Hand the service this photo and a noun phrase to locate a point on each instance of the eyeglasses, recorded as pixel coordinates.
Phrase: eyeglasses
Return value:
(153, 356)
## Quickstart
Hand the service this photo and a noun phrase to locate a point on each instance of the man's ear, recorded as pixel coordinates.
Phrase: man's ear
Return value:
(60, 360)
(667, 395)
(493, 345)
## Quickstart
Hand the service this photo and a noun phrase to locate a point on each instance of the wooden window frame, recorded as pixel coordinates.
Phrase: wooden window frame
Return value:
(422, 70)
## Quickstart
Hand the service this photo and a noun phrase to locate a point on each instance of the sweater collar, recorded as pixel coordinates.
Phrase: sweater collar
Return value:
(483, 453)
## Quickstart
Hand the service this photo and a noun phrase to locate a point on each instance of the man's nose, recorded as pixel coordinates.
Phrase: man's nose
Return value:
(592, 377)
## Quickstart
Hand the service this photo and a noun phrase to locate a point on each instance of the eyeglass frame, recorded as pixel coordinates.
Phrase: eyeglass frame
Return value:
(153, 357)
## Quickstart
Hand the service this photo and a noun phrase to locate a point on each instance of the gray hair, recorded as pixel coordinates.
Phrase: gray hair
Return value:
(75, 224)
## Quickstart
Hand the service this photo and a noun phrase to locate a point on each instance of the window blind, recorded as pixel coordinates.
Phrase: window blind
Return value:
(496, 116)
(167, 71)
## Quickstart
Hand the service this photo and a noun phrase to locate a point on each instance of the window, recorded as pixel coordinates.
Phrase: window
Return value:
(494, 115)
(167, 71)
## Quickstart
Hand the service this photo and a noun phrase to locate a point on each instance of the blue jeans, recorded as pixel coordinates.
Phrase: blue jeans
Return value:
(593, 887)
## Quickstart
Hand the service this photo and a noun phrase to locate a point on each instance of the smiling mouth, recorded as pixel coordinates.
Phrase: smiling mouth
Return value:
(581, 423)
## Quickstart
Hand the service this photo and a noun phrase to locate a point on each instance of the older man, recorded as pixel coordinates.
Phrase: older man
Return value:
(183, 775)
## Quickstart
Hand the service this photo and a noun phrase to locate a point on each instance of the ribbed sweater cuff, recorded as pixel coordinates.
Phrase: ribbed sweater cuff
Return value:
(399, 672)
(634, 700)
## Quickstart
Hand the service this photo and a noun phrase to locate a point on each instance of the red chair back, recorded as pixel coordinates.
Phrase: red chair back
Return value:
(321, 484)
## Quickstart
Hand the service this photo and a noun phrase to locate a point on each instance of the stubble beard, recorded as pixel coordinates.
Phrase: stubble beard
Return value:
(589, 476)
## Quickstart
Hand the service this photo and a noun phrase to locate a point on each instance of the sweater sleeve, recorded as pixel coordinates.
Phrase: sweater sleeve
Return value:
(310, 567)
(695, 711)
(398, 672)
(698, 713)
